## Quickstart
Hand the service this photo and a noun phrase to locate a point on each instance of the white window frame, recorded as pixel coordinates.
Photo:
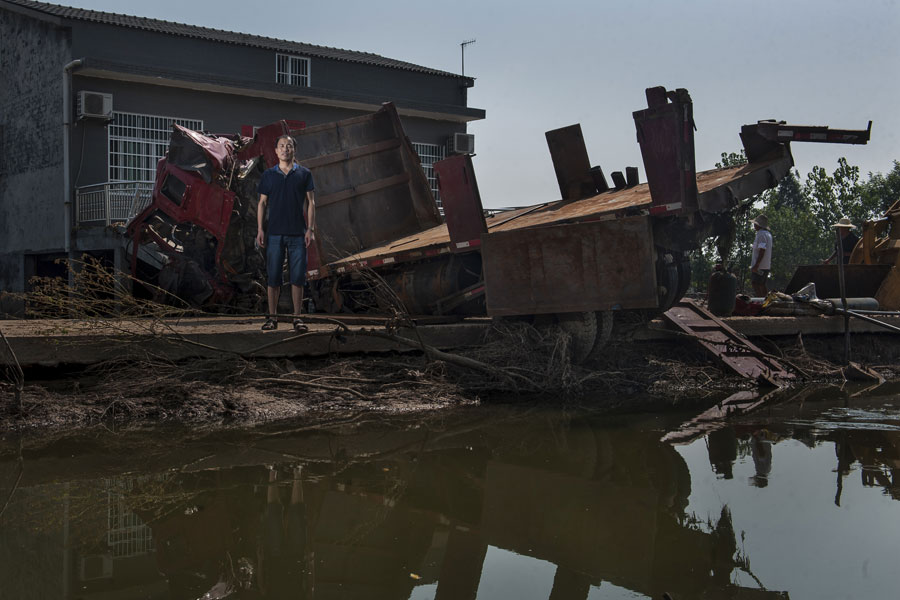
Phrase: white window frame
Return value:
(136, 142)
(126, 534)
(428, 155)
(287, 74)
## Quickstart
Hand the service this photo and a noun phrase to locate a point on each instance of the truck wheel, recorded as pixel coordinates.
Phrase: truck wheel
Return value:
(667, 279)
(582, 330)
(604, 332)
(684, 276)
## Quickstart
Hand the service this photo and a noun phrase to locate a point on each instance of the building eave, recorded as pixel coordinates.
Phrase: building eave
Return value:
(31, 13)
(314, 96)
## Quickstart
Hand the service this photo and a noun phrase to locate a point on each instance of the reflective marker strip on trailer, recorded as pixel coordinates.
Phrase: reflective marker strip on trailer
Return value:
(817, 136)
(471, 293)
(664, 208)
(377, 262)
(469, 244)
(401, 257)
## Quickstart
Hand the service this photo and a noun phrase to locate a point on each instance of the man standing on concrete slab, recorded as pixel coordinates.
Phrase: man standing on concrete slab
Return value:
(848, 240)
(284, 189)
(761, 258)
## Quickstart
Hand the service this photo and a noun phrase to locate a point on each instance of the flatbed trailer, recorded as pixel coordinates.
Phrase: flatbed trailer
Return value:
(599, 248)
(382, 243)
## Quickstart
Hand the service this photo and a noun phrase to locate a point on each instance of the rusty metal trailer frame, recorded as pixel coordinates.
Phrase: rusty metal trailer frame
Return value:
(598, 248)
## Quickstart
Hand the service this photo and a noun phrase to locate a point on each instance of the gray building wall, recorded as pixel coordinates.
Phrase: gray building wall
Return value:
(32, 54)
(220, 113)
(153, 50)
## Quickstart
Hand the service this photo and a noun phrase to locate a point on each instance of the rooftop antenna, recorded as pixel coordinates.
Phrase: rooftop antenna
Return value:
(462, 48)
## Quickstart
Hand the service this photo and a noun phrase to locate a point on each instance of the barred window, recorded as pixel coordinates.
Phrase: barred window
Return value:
(292, 70)
(126, 534)
(137, 142)
(428, 155)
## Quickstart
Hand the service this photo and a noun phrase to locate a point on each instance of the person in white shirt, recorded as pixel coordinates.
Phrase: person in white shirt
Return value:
(761, 259)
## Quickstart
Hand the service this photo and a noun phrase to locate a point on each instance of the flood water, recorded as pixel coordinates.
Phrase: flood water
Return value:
(797, 500)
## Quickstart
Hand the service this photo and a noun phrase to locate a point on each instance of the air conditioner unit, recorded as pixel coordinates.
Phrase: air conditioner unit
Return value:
(96, 566)
(94, 105)
(462, 143)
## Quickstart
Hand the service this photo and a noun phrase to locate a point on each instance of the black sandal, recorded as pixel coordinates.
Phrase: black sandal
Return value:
(300, 326)
(270, 324)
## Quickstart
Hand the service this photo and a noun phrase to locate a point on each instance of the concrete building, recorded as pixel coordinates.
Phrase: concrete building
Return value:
(88, 100)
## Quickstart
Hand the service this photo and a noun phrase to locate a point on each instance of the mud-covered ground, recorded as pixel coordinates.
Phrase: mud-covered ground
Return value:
(518, 366)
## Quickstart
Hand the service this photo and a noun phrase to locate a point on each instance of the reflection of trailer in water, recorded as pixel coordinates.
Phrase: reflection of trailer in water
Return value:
(575, 260)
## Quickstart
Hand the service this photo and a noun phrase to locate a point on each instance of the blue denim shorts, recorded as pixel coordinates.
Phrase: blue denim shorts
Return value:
(276, 245)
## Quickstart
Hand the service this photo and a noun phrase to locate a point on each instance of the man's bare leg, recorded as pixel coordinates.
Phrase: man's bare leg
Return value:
(297, 298)
(273, 294)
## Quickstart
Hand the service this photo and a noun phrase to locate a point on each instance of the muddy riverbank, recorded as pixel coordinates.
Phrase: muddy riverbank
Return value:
(521, 368)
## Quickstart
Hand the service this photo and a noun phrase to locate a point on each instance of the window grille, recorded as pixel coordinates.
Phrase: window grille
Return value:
(428, 155)
(126, 534)
(137, 142)
(292, 70)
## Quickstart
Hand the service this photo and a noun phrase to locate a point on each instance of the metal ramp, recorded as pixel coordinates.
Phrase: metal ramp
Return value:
(727, 344)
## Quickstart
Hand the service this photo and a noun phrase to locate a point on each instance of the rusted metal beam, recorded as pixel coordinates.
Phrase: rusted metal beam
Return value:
(748, 181)
(665, 131)
(764, 138)
(463, 210)
(726, 344)
(570, 161)
(782, 132)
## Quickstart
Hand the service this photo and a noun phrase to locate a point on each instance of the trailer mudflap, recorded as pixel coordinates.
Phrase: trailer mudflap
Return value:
(598, 265)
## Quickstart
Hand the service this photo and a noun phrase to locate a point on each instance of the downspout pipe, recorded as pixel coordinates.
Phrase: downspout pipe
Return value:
(67, 176)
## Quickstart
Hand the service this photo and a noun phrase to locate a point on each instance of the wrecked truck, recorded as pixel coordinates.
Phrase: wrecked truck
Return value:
(382, 242)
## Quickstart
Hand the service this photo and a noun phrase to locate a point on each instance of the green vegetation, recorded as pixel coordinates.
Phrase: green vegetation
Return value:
(800, 218)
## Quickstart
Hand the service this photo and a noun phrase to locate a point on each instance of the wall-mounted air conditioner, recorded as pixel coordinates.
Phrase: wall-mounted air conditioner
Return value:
(96, 566)
(94, 105)
(462, 143)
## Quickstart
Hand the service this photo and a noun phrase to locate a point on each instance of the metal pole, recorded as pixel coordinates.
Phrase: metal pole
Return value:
(462, 49)
(839, 253)
(853, 313)
(67, 191)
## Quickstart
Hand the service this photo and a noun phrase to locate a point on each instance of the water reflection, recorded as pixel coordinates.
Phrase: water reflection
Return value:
(400, 509)
(868, 438)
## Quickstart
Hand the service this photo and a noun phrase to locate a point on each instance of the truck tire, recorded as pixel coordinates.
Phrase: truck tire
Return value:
(604, 332)
(684, 276)
(582, 330)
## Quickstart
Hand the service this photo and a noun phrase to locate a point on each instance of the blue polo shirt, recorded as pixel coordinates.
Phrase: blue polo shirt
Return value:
(286, 195)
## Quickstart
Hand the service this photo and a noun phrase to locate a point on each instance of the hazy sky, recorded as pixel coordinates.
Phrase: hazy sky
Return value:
(548, 65)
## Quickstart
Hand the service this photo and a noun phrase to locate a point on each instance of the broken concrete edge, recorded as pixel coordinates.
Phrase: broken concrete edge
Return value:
(56, 343)
(773, 327)
(80, 348)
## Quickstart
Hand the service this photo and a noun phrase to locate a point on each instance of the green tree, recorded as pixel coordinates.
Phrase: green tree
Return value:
(801, 218)
(840, 195)
(732, 159)
(882, 191)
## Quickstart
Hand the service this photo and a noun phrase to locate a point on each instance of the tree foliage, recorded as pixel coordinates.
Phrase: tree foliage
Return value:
(801, 218)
